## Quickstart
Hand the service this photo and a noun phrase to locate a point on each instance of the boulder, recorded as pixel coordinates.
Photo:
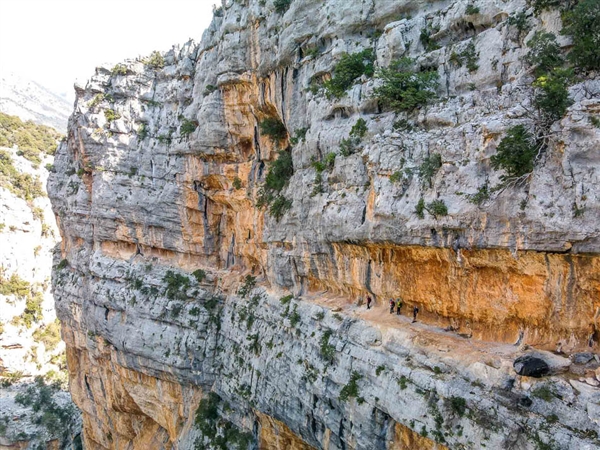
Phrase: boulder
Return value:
(530, 366)
(581, 358)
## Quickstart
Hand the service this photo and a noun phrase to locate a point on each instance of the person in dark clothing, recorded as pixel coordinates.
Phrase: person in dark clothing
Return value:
(415, 312)
(392, 304)
(398, 306)
(369, 302)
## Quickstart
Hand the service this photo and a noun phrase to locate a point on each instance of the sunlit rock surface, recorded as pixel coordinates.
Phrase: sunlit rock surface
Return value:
(159, 179)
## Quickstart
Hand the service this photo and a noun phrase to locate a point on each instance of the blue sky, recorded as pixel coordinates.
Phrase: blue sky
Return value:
(55, 42)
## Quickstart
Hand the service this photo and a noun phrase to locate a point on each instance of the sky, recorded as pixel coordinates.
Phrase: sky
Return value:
(55, 42)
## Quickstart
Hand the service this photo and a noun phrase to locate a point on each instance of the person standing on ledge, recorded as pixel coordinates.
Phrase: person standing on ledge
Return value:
(415, 312)
(392, 304)
(398, 306)
(369, 302)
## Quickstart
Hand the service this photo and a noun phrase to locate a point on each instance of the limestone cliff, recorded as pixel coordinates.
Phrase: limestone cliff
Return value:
(196, 319)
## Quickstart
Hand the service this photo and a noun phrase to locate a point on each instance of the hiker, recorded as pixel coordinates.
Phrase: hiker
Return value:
(392, 304)
(398, 306)
(368, 302)
(415, 312)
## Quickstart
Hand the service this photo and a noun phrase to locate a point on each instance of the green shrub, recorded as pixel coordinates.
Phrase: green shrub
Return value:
(274, 128)
(111, 115)
(359, 129)
(326, 350)
(14, 285)
(295, 316)
(544, 53)
(48, 335)
(519, 21)
(420, 208)
(471, 9)
(281, 6)
(33, 311)
(543, 393)
(348, 146)
(437, 208)
(62, 264)
(155, 60)
(119, 69)
(347, 70)
(237, 183)
(482, 195)
(199, 275)
(458, 405)
(583, 24)
(551, 95)
(429, 167)
(142, 131)
(280, 171)
(515, 154)
(209, 89)
(279, 206)
(351, 389)
(425, 38)
(187, 126)
(542, 5)
(403, 89)
(98, 98)
(379, 370)
(278, 175)
(246, 288)
(470, 57)
(396, 177)
(402, 382)
(299, 134)
(176, 285)
(285, 300)
(31, 139)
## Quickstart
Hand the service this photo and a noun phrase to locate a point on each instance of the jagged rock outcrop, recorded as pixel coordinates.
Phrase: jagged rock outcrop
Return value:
(155, 193)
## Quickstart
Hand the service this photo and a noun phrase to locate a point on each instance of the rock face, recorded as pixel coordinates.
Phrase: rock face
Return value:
(195, 319)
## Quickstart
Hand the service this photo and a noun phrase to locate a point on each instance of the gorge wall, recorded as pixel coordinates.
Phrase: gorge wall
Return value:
(195, 319)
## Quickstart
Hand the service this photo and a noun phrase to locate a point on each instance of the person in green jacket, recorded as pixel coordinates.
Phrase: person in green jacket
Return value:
(398, 306)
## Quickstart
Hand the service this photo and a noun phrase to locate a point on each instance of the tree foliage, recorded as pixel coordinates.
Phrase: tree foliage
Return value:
(515, 154)
(583, 24)
(403, 89)
(544, 53)
(32, 140)
(347, 70)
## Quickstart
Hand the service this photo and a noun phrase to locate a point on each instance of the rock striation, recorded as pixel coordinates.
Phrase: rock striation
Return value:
(195, 319)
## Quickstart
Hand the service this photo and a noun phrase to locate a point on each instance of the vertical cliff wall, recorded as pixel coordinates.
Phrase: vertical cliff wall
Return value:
(195, 318)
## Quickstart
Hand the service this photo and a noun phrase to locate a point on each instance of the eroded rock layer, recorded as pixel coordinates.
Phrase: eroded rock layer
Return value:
(195, 319)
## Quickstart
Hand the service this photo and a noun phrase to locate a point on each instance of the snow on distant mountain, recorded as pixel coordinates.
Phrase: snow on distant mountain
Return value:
(31, 101)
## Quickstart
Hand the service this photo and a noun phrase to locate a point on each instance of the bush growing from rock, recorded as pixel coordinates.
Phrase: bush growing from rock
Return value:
(155, 60)
(274, 128)
(403, 89)
(544, 53)
(551, 95)
(281, 6)
(347, 70)
(583, 24)
(515, 154)
(351, 389)
(429, 167)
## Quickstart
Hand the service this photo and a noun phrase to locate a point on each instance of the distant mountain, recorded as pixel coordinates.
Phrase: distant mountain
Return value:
(31, 101)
